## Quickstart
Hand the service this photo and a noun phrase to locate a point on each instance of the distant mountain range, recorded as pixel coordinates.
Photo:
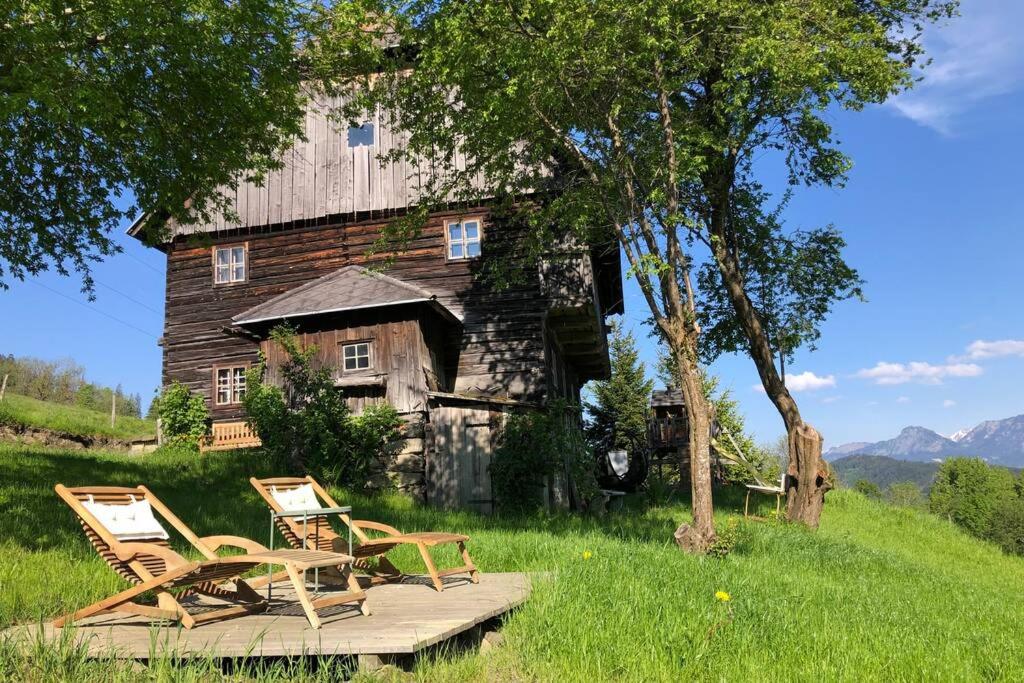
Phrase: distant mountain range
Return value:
(997, 441)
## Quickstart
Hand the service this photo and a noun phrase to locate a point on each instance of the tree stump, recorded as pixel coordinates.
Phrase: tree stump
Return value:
(807, 482)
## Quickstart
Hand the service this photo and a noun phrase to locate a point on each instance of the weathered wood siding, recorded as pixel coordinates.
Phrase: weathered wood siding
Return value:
(500, 352)
(401, 359)
(323, 176)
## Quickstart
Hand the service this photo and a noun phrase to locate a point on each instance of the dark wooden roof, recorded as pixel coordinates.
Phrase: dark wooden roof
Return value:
(667, 398)
(347, 289)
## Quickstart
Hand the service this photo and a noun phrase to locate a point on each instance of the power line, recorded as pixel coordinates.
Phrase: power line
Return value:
(134, 301)
(94, 310)
(137, 259)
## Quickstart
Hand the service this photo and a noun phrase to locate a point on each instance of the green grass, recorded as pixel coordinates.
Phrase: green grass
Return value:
(58, 417)
(879, 593)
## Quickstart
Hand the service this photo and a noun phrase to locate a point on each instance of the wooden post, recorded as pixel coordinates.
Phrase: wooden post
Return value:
(113, 409)
(3, 387)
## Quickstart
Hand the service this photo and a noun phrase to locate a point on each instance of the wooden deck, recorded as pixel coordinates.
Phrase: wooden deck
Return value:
(405, 618)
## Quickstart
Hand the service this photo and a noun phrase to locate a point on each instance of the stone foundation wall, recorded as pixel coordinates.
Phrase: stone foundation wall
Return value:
(406, 469)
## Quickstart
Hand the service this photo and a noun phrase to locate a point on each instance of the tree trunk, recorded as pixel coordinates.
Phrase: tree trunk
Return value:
(699, 536)
(806, 470)
(808, 479)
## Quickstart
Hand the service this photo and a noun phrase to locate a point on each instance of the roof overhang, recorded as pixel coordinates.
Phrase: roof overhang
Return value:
(432, 302)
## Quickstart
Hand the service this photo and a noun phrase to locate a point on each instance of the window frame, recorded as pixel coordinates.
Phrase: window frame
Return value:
(370, 355)
(234, 395)
(478, 241)
(231, 265)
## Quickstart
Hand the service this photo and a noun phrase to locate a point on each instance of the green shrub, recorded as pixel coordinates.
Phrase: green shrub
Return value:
(306, 425)
(1007, 525)
(535, 447)
(184, 417)
(727, 539)
(868, 488)
(967, 491)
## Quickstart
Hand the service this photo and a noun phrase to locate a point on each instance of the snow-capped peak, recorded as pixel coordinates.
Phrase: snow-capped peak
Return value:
(959, 434)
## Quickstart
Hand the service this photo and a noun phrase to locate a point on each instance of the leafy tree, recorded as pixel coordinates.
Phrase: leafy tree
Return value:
(968, 491)
(85, 397)
(642, 119)
(109, 108)
(1007, 526)
(868, 489)
(792, 279)
(619, 412)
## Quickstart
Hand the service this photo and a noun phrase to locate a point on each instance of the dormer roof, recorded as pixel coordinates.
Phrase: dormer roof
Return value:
(347, 289)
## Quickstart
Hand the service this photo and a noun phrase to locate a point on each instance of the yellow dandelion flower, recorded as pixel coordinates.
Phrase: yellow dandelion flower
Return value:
(723, 596)
(587, 554)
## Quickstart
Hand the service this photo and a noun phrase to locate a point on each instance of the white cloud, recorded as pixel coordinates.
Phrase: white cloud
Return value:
(831, 399)
(805, 381)
(976, 56)
(808, 381)
(903, 399)
(980, 349)
(948, 403)
(917, 371)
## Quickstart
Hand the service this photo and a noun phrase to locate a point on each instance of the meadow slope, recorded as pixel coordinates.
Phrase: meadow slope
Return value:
(879, 593)
(75, 420)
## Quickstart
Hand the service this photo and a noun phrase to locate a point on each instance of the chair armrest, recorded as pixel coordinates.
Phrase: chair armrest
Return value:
(129, 551)
(377, 526)
(248, 545)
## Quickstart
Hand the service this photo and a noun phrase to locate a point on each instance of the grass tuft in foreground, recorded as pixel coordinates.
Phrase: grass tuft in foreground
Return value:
(879, 593)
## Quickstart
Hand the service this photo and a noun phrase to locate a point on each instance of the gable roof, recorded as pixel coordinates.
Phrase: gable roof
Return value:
(667, 398)
(347, 289)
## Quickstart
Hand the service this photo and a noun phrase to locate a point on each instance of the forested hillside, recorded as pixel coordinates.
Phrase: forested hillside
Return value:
(63, 381)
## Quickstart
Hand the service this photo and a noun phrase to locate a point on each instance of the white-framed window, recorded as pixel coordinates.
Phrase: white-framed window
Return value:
(463, 238)
(229, 384)
(229, 264)
(357, 356)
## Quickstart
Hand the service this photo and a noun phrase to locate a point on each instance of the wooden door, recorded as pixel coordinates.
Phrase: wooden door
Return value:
(458, 473)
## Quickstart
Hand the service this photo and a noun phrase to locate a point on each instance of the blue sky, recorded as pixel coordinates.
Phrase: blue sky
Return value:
(934, 217)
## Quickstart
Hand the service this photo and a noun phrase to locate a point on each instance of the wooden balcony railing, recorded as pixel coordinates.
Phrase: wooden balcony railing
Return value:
(567, 280)
(669, 432)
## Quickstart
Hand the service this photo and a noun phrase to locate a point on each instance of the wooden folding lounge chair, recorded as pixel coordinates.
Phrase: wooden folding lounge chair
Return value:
(143, 556)
(320, 536)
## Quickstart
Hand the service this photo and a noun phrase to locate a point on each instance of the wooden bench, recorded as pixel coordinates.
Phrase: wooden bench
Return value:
(226, 436)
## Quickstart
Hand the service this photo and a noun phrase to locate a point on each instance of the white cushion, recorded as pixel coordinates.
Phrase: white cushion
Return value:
(132, 522)
(619, 461)
(297, 499)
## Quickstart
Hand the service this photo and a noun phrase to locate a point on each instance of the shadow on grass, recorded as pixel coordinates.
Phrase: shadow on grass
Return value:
(212, 494)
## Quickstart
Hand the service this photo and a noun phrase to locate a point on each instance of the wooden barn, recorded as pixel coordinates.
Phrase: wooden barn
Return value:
(428, 334)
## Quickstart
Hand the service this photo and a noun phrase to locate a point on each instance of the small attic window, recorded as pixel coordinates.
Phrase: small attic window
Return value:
(359, 136)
